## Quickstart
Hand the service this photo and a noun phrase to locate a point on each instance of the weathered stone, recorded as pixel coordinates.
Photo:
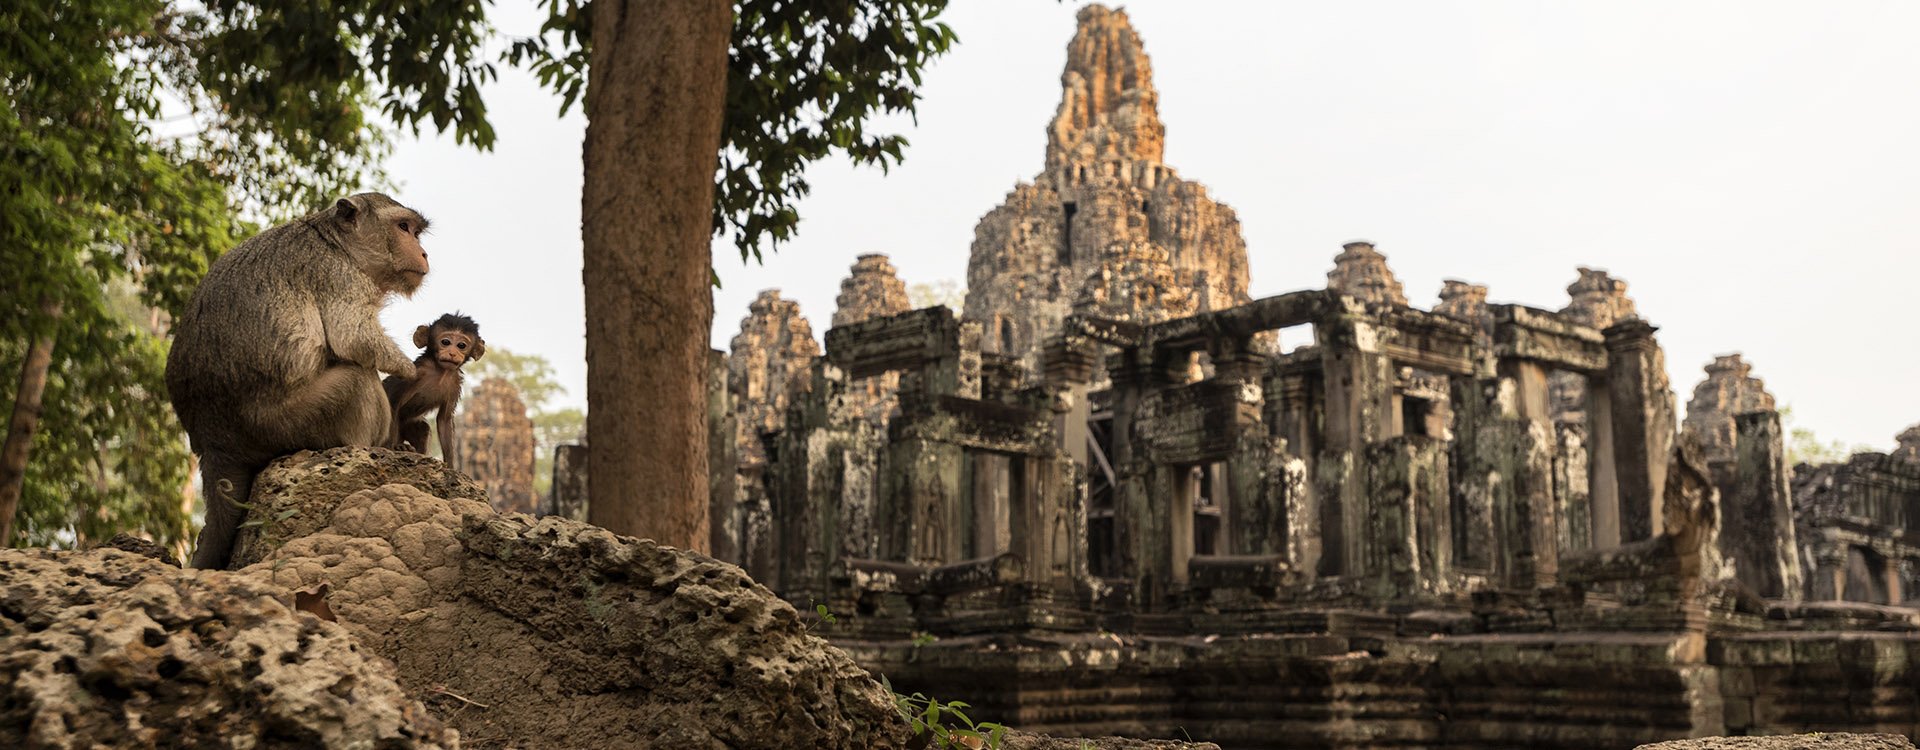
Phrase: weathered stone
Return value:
(1103, 186)
(1361, 271)
(631, 642)
(496, 445)
(1729, 390)
(773, 348)
(1595, 300)
(296, 495)
(142, 547)
(568, 496)
(1815, 741)
(1908, 444)
(871, 290)
(110, 649)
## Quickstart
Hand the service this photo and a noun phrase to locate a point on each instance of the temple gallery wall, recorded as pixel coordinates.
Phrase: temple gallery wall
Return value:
(1115, 494)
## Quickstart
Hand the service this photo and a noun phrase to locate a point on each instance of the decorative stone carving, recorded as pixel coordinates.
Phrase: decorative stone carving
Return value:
(1728, 391)
(1104, 185)
(871, 290)
(495, 445)
(1362, 272)
(774, 346)
(1599, 300)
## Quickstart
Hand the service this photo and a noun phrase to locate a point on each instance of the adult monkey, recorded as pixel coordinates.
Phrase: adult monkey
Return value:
(281, 348)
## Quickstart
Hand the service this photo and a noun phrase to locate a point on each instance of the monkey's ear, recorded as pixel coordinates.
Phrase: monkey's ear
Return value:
(344, 210)
(421, 335)
(479, 348)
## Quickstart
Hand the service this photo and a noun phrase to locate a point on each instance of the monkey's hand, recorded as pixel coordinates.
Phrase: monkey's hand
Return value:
(403, 368)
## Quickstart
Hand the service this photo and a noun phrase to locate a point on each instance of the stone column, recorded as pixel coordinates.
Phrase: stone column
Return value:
(567, 497)
(1135, 524)
(1359, 411)
(1757, 529)
(723, 464)
(1643, 425)
(1603, 480)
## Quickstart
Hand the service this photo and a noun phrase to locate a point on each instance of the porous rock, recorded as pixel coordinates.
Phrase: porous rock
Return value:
(554, 633)
(1025, 741)
(1817, 741)
(106, 648)
(296, 495)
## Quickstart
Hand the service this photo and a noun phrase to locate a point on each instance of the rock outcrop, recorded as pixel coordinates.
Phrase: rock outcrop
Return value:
(570, 635)
(1815, 741)
(107, 648)
(1104, 186)
(496, 445)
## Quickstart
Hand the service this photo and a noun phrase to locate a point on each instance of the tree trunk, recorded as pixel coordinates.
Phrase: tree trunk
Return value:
(25, 422)
(656, 90)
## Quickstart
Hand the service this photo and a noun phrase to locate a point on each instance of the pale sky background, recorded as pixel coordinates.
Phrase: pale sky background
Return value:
(1749, 168)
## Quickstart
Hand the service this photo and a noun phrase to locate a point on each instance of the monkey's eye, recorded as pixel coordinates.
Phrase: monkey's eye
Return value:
(446, 342)
(406, 226)
(462, 345)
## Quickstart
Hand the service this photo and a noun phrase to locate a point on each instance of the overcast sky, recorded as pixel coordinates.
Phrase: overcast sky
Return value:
(1751, 169)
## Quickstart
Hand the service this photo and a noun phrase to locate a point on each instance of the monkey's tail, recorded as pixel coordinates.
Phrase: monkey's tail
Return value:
(228, 485)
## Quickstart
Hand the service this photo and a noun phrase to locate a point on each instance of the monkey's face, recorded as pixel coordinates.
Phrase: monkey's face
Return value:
(408, 258)
(453, 348)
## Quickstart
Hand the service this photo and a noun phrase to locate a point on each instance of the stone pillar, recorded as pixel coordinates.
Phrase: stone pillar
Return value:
(1643, 425)
(1359, 411)
(1757, 531)
(1185, 481)
(1129, 493)
(1474, 540)
(1410, 525)
(568, 496)
(1297, 424)
(723, 464)
(1603, 480)
(1524, 503)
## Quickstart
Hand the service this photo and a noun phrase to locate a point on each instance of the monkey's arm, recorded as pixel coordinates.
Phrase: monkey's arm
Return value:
(355, 335)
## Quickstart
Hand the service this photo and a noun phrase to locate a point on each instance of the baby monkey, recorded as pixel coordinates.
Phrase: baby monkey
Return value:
(452, 341)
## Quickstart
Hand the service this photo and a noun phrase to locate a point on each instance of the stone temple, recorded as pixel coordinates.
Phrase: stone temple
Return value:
(1102, 500)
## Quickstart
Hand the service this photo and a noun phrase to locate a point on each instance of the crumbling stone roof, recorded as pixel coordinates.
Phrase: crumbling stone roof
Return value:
(871, 290)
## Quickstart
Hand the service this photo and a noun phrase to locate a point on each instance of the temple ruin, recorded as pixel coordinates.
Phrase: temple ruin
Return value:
(1113, 497)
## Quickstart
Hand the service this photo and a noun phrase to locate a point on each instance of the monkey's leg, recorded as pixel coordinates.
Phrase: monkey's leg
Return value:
(414, 434)
(227, 483)
(343, 405)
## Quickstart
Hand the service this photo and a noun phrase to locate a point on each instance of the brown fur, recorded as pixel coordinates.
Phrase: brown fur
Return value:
(281, 348)
(448, 344)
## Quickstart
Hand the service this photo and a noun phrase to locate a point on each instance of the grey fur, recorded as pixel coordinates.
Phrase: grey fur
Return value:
(281, 350)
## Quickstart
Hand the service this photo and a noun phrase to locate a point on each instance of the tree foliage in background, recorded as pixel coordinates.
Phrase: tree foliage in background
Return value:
(945, 292)
(134, 136)
(533, 376)
(1803, 446)
(804, 79)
